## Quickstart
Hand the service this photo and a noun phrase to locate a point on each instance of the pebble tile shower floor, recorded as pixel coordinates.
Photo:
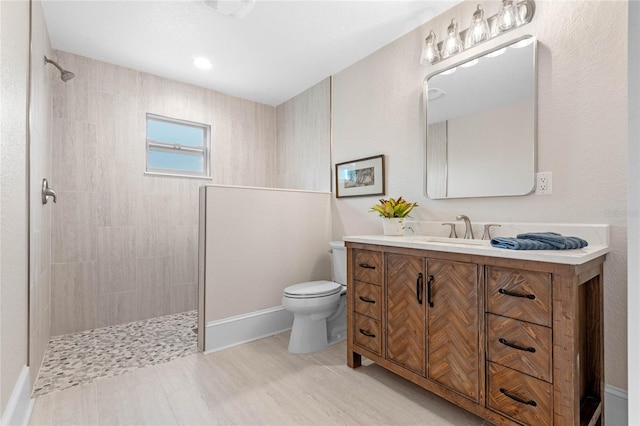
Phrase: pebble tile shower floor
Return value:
(80, 358)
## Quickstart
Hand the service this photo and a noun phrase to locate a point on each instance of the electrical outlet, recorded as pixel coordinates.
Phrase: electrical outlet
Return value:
(543, 183)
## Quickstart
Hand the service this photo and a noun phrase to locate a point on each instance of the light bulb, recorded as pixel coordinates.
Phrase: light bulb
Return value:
(508, 16)
(453, 43)
(479, 29)
(430, 53)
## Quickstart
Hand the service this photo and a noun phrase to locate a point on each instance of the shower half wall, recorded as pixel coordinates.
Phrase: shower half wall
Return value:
(124, 244)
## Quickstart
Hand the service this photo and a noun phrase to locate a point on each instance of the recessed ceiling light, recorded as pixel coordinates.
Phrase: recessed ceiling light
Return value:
(202, 63)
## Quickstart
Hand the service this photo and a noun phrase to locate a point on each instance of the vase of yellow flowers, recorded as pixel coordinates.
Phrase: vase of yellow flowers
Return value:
(394, 213)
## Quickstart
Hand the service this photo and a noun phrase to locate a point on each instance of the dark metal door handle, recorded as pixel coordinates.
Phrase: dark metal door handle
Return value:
(429, 290)
(364, 299)
(419, 288)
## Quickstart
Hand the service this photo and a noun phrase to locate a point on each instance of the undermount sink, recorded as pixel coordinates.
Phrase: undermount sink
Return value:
(446, 240)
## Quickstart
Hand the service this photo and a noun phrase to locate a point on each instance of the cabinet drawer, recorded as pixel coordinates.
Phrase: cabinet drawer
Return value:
(521, 397)
(520, 345)
(367, 333)
(518, 294)
(368, 266)
(368, 299)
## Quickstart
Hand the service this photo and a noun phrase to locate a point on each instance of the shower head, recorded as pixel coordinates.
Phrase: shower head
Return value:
(64, 74)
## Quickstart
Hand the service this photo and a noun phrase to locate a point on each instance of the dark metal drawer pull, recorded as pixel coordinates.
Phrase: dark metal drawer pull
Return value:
(517, 398)
(364, 265)
(364, 299)
(514, 346)
(366, 333)
(511, 293)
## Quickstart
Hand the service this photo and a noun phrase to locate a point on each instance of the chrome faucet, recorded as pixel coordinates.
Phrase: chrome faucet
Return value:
(468, 231)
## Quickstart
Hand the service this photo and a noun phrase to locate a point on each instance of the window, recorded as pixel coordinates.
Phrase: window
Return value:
(177, 147)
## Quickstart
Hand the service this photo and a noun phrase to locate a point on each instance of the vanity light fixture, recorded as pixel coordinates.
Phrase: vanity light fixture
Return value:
(479, 29)
(430, 54)
(453, 43)
(512, 14)
(508, 16)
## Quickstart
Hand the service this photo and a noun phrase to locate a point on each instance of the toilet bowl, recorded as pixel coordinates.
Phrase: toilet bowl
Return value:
(319, 307)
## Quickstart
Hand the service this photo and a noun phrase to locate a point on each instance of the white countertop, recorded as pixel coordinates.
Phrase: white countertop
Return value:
(483, 248)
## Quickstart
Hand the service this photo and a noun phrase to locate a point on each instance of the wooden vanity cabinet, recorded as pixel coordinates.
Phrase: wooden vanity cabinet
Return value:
(512, 341)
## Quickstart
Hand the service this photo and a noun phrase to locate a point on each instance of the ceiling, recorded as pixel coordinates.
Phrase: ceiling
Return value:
(275, 52)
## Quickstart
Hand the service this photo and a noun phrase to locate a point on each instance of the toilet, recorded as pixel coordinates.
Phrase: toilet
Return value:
(319, 307)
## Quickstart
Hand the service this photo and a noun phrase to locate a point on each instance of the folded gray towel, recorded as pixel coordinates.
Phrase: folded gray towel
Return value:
(539, 241)
(520, 244)
(558, 241)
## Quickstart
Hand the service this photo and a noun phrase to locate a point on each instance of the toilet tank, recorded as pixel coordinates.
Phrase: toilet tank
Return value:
(339, 262)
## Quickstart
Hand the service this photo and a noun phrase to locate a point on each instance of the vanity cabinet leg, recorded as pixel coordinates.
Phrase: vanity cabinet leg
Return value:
(354, 360)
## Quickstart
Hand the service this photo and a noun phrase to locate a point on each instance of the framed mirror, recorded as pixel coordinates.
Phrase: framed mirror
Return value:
(481, 124)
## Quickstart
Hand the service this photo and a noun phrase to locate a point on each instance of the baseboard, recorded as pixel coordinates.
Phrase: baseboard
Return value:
(20, 405)
(616, 406)
(233, 331)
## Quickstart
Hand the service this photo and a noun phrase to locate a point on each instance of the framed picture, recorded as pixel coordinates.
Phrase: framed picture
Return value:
(359, 178)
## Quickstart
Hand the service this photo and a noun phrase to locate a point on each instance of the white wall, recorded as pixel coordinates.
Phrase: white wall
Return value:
(582, 133)
(14, 68)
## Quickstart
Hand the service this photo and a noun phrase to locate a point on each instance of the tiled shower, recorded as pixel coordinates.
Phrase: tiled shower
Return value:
(124, 244)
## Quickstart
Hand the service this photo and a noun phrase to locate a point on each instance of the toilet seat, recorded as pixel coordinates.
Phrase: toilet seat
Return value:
(312, 289)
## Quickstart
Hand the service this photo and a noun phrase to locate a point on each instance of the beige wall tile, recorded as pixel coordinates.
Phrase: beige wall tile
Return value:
(73, 303)
(116, 308)
(116, 259)
(153, 240)
(73, 234)
(184, 256)
(74, 155)
(303, 139)
(118, 183)
(184, 202)
(153, 286)
(184, 297)
(117, 136)
(75, 99)
(117, 80)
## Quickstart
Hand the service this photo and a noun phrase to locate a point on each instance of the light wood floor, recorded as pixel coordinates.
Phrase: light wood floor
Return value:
(255, 383)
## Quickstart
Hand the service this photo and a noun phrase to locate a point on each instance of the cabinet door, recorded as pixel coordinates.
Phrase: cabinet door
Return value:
(453, 326)
(405, 327)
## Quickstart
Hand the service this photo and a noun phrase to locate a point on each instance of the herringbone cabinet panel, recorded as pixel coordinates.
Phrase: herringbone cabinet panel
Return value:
(453, 324)
(519, 396)
(368, 266)
(524, 295)
(405, 314)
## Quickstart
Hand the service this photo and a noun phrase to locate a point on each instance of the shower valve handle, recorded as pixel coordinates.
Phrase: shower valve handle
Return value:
(48, 192)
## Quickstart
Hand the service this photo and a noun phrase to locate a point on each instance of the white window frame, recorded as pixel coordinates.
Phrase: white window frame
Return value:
(204, 151)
